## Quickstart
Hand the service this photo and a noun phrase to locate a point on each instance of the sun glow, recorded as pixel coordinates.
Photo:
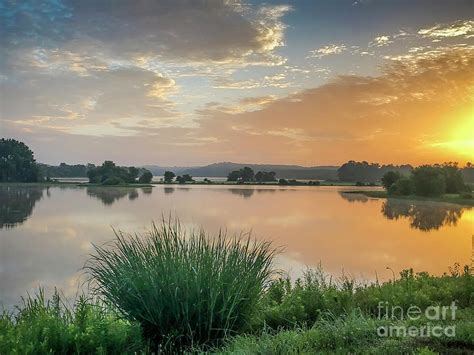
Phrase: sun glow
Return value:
(460, 141)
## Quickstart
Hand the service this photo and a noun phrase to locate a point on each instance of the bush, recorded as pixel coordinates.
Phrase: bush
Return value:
(183, 289)
(113, 180)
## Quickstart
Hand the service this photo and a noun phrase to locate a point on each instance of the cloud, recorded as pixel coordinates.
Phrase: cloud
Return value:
(399, 116)
(330, 49)
(276, 81)
(380, 118)
(219, 31)
(70, 92)
(380, 41)
(455, 29)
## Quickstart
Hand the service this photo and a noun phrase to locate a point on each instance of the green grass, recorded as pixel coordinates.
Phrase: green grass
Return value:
(40, 326)
(447, 198)
(183, 289)
(353, 333)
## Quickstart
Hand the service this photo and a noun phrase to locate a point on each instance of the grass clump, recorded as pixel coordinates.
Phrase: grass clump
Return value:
(183, 289)
(41, 326)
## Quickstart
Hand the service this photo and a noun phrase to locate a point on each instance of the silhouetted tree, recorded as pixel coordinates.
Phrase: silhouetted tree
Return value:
(264, 176)
(353, 171)
(185, 178)
(146, 177)
(454, 178)
(233, 175)
(169, 176)
(110, 174)
(247, 174)
(390, 178)
(429, 180)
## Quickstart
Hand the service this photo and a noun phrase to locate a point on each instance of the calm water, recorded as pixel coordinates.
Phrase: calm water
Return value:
(46, 234)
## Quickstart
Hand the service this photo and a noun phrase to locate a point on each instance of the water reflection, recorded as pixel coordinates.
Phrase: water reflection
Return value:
(424, 215)
(353, 197)
(109, 195)
(311, 224)
(147, 190)
(245, 193)
(168, 190)
(16, 204)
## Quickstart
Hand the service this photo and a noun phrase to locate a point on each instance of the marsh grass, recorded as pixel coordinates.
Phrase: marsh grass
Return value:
(45, 326)
(184, 289)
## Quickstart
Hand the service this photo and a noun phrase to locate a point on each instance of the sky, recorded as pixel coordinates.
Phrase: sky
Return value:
(193, 82)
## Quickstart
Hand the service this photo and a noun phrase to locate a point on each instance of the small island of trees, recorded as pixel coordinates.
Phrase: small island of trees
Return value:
(110, 174)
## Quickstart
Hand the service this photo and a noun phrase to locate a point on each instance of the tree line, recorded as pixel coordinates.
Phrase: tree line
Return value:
(246, 174)
(364, 172)
(427, 180)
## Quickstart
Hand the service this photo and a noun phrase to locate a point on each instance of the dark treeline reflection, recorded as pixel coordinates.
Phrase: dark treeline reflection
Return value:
(422, 215)
(16, 204)
(109, 195)
(351, 197)
(246, 193)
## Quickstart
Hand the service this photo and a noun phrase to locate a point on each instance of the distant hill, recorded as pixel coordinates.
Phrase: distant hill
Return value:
(282, 171)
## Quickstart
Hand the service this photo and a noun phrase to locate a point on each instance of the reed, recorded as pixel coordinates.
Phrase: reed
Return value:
(183, 288)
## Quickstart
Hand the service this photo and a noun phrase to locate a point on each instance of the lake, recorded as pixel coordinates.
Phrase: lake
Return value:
(46, 234)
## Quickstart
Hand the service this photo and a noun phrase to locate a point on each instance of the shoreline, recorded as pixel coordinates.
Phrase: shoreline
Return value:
(219, 183)
(454, 199)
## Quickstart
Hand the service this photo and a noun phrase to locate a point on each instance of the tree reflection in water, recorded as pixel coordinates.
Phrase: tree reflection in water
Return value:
(109, 195)
(17, 203)
(423, 215)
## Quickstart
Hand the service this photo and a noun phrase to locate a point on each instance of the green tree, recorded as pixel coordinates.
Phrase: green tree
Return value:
(265, 176)
(429, 180)
(233, 175)
(169, 176)
(404, 186)
(454, 178)
(132, 174)
(110, 174)
(247, 174)
(17, 163)
(390, 178)
(185, 178)
(146, 177)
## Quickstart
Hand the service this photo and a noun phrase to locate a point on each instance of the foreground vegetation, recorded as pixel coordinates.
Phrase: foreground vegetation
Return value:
(171, 292)
(315, 314)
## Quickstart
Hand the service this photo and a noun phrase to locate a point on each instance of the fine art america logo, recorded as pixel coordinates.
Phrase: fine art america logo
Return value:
(414, 313)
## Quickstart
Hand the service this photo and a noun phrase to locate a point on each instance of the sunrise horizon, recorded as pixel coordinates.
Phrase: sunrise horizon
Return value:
(276, 82)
